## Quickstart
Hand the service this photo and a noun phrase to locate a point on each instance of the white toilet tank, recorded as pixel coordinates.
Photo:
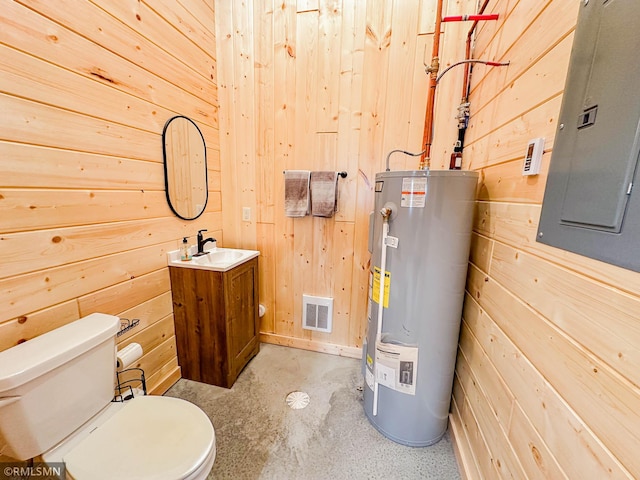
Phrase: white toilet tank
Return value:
(52, 384)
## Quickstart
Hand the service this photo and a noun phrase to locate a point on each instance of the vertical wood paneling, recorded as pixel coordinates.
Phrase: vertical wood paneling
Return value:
(350, 101)
(423, 49)
(328, 67)
(265, 135)
(304, 271)
(376, 46)
(337, 84)
(84, 221)
(342, 262)
(239, 168)
(400, 68)
(245, 122)
(227, 118)
(285, 54)
(450, 85)
(427, 16)
(306, 93)
(359, 278)
(267, 274)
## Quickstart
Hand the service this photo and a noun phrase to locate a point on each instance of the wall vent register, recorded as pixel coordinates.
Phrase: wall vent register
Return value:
(317, 313)
(590, 206)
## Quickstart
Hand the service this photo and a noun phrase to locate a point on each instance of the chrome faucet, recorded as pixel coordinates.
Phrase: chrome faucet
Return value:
(202, 241)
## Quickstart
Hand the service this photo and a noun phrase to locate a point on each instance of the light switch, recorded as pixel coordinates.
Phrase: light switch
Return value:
(246, 214)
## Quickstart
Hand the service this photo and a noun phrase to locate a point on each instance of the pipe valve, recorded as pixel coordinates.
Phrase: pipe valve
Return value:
(434, 67)
(385, 212)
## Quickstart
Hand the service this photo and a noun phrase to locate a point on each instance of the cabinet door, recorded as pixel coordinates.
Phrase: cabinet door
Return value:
(198, 309)
(241, 291)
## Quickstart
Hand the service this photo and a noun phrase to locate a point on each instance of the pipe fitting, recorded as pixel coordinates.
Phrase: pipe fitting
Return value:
(388, 211)
(434, 67)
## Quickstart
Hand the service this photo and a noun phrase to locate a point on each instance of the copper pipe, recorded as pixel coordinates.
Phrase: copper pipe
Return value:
(467, 55)
(427, 136)
(466, 18)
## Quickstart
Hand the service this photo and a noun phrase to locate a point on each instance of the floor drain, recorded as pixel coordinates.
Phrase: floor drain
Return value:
(297, 400)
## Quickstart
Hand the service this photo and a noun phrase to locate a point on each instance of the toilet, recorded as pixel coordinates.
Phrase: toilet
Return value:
(55, 406)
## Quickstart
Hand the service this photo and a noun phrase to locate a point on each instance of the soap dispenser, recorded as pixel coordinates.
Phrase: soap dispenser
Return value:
(185, 255)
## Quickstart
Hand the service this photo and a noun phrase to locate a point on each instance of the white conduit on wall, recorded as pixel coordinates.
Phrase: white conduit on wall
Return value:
(386, 213)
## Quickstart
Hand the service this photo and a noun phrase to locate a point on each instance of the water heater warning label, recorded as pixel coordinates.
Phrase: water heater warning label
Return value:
(376, 286)
(396, 367)
(414, 192)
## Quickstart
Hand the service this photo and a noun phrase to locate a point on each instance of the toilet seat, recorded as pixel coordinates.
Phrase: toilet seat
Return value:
(163, 438)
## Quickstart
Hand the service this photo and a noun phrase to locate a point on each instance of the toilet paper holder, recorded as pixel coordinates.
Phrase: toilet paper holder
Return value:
(126, 384)
(126, 325)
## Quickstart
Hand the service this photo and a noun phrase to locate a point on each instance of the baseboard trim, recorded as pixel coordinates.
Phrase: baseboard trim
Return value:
(312, 345)
(167, 382)
(458, 435)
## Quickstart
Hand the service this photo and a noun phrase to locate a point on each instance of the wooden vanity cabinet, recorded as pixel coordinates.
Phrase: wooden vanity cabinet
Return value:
(216, 319)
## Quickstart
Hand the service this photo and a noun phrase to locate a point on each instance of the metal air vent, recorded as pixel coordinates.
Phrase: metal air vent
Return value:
(317, 313)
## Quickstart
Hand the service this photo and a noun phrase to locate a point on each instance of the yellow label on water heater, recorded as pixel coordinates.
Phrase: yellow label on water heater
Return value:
(376, 286)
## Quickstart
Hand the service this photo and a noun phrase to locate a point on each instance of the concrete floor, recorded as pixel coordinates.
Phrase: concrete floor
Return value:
(259, 437)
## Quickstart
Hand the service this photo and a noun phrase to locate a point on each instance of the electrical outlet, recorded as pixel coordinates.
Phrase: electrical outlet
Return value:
(246, 214)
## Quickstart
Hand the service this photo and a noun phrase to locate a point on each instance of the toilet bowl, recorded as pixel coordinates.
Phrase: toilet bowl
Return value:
(160, 438)
(55, 406)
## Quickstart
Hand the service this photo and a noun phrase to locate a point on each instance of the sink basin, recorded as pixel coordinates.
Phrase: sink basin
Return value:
(219, 256)
(217, 259)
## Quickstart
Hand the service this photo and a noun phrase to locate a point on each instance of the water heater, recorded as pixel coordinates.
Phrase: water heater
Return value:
(419, 237)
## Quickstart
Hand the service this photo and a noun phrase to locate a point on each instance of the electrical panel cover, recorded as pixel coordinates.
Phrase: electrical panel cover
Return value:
(592, 204)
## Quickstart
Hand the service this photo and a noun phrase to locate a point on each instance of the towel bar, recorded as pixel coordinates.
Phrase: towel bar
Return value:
(341, 174)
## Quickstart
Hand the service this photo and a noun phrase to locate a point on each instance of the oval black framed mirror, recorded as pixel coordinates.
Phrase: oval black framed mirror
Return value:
(185, 167)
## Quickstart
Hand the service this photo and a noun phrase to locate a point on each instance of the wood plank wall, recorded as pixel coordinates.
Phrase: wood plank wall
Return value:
(322, 85)
(85, 91)
(548, 372)
(547, 382)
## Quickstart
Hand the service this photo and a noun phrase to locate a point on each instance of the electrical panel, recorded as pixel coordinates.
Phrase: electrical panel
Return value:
(590, 205)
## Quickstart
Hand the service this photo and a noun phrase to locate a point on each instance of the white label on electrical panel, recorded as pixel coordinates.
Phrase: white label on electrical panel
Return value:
(391, 242)
(414, 192)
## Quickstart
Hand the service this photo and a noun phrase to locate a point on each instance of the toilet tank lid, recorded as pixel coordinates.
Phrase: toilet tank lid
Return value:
(31, 359)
